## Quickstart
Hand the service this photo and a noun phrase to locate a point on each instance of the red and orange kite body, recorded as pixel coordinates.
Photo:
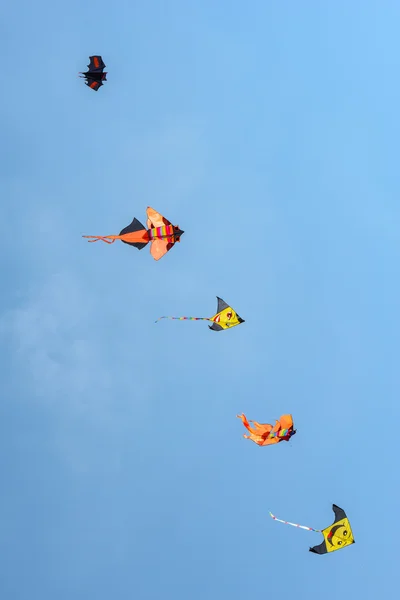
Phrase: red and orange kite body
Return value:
(264, 434)
(161, 234)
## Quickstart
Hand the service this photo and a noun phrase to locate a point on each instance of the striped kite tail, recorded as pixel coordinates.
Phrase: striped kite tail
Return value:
(294, 524)
(185, 319)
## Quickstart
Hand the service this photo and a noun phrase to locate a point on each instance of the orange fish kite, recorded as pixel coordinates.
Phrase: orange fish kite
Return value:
(161, 234)
(264, 434)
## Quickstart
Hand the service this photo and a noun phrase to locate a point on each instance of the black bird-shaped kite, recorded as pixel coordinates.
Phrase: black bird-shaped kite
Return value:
(95, 76)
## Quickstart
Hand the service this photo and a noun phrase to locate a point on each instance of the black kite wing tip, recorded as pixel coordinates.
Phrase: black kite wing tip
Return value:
(215, 327)
(221, 304)
(339, 512)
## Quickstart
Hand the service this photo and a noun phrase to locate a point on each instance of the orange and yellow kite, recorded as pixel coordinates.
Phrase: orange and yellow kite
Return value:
(161, 234)
(264, 434)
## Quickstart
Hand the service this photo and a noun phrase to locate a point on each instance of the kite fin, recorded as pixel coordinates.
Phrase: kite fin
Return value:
(134, 226)
(215, 327)
(221, 305)
(127, 235)
(138, 245)
(245, 422)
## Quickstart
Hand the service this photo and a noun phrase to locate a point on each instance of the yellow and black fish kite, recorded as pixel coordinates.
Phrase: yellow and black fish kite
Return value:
(336, 536)
(226, 317)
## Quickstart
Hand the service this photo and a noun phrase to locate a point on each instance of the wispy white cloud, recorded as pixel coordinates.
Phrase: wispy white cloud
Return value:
(60, 365)
(79, 346)
(49, 339)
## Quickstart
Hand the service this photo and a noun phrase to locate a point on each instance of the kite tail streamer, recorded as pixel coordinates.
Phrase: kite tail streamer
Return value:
(185, 319)
(294, 524)
(96, 238)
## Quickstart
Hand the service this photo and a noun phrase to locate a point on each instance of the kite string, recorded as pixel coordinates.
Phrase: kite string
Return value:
(185, 319)
(294, 524)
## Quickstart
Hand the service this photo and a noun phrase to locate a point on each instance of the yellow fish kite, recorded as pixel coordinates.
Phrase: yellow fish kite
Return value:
(336, 536)
(226, 317)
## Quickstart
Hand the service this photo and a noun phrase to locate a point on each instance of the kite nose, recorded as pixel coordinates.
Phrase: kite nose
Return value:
(240, 319)
(179, 232)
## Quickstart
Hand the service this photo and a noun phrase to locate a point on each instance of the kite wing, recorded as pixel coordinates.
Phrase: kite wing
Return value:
(261, 440)
(277, 427)
(159, 248)
(222, 305)
(267, 441)
(258, 429)
(339, 513)
(336, 536)
(216, 327)
(225, 318)
(93, 84)
(96, 64)
(155, 219)
(129, 233)
(286, 421)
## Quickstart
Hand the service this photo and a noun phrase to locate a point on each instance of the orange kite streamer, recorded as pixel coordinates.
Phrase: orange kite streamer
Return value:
(264, 434)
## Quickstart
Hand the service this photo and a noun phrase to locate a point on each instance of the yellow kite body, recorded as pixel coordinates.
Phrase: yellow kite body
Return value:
(336, 536)
(225, 318)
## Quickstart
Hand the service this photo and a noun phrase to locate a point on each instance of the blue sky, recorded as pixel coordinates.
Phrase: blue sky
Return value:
(269, 131)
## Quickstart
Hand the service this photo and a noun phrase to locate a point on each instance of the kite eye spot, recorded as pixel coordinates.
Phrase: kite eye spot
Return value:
(339, 543)
(345, 532)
